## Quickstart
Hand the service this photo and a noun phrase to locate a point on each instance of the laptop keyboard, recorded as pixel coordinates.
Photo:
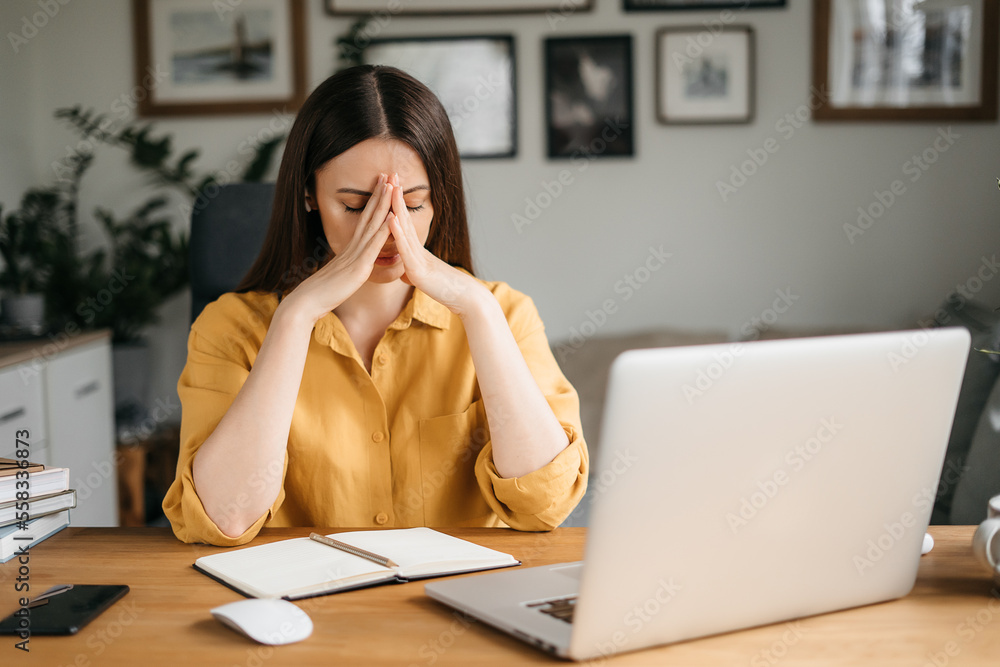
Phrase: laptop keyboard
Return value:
(561, 608)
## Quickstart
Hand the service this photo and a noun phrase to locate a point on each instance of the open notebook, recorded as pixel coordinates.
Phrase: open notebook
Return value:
(301, 567)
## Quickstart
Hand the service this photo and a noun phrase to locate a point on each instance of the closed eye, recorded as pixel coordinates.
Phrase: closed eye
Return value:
(348, 209)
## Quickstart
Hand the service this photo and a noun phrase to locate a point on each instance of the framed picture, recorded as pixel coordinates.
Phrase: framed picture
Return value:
(195, 58)
(900, 60)
(440, 7)
(660, 5)
(588, 96)
(474, 77)
(698, 83)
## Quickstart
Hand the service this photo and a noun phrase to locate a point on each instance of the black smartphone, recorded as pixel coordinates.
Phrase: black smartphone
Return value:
(65, 612)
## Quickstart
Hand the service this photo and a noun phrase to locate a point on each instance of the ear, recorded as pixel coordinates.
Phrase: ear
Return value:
(310, 203)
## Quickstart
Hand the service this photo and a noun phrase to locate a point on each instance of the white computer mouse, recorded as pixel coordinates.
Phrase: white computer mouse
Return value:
(267, 621)
(927, 545)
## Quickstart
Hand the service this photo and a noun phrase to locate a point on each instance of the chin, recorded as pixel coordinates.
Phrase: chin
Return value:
(387, 274)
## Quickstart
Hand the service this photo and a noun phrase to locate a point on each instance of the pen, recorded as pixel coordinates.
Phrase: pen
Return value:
(357, 551)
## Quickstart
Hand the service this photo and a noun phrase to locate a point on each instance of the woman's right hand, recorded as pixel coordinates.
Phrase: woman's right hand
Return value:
(349, 269)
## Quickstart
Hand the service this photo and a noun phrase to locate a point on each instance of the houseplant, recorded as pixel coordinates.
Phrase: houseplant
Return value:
(23, 238)
(144, 261)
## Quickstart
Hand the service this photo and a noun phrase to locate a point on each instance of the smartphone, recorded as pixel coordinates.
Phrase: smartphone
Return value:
(66, 612)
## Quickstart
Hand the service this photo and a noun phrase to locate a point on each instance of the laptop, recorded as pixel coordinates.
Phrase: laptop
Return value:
(739, 485)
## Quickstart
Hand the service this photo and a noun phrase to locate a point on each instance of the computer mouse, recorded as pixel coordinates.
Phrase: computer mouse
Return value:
(927, 545)
(268, 621)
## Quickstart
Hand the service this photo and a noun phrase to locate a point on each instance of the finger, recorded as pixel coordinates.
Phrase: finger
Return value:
(405, 219)
(378, 216)
(374, 200)
(398, 203)
(375, 243)
(368, 213)
(382, 207)
(411, 231)
(403, 240)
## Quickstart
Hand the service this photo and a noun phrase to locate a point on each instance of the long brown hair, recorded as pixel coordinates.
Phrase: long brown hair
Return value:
(352, 106)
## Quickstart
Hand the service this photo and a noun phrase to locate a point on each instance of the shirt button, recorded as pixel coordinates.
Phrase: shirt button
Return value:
(383, 358)
(381, 518)
(377, 436)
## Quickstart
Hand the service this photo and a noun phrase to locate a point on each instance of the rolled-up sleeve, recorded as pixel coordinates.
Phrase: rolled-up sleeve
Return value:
(542, 499)
(218, 364)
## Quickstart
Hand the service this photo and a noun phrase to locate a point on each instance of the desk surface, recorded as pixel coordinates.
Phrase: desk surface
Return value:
(951, 617)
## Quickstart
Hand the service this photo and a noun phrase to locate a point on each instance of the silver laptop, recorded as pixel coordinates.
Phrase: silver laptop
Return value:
(738, 485)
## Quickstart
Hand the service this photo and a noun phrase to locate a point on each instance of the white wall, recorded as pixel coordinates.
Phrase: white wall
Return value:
(782, 230)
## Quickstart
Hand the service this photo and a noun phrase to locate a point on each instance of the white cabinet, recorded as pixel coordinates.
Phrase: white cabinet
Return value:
(80, 419)
(22, 408)
(64, 397)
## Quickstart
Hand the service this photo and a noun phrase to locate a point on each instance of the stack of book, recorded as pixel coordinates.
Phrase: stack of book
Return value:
(24, 522)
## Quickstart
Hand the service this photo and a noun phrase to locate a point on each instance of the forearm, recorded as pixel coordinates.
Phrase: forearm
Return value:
(238, 469)
(523, 429)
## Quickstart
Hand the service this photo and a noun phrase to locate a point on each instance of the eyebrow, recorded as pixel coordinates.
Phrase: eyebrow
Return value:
(353, 191)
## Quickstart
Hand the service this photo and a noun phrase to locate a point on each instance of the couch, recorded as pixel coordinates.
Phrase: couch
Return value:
(971, 472)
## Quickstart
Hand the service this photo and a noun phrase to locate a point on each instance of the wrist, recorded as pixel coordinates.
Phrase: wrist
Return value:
(478, 304)
(292, 313)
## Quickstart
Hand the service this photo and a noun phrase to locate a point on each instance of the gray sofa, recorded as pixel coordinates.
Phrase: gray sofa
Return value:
(972, 464)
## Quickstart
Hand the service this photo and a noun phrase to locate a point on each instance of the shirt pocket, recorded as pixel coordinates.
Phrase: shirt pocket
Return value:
(449, 446)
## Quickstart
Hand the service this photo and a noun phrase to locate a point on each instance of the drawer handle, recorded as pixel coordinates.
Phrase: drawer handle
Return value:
(88, 388)
(13, 414)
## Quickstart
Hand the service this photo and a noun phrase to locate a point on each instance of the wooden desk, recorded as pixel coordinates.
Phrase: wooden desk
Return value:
(165, 618)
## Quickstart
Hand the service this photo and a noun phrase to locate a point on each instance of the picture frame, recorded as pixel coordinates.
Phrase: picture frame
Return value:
(452, 7)
(193, 58)
(683, 5)
(699, 83)
(588, 96)
(475, 78)
(909, 64)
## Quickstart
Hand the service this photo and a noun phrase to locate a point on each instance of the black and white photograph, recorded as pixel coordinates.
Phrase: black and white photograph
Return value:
(473, 76)
(698, 83)
(244, 59)
(906, 59)
(222, 51)
(588, 96)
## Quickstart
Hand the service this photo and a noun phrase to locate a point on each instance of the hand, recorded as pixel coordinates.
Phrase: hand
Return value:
(341, 277)
(455, 289)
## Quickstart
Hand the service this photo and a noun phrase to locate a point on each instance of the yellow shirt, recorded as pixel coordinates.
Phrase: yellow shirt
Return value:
(405, 445)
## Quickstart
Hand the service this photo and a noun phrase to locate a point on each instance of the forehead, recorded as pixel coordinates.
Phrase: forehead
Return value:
(363, 162)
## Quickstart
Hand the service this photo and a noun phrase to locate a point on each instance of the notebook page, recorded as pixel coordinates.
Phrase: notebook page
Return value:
(278, 568)
(424, 551)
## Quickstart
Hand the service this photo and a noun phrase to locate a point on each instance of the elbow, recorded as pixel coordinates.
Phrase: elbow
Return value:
(233, 519)
(232, 528)
(231, 515)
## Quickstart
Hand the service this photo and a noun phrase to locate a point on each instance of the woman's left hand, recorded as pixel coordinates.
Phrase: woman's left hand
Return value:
(455, 289)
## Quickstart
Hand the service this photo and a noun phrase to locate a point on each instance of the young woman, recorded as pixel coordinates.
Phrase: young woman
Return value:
(361, 375)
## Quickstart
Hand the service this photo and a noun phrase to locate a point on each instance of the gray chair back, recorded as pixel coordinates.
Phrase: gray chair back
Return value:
(226, 235)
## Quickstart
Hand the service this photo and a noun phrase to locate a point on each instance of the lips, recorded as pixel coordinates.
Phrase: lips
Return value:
(387, 254)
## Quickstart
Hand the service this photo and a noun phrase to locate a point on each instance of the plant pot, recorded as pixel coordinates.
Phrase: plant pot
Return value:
(24, 312)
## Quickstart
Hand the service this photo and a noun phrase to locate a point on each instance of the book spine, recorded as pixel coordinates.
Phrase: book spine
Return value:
(15, 546)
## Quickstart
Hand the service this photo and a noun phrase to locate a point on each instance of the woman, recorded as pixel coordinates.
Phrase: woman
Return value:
(389, 386)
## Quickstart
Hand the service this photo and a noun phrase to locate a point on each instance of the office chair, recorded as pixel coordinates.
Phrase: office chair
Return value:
(226, 236)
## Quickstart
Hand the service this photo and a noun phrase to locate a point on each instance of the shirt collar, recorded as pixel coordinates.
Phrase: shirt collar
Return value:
(425, 309)
(330, 330)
